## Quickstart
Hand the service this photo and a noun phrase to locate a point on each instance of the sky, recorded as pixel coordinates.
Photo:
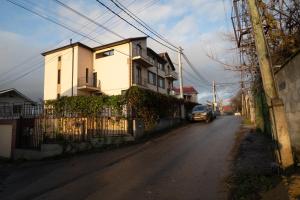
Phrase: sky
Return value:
(199, 27)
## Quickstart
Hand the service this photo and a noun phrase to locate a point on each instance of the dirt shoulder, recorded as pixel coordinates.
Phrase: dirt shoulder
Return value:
(254, 170)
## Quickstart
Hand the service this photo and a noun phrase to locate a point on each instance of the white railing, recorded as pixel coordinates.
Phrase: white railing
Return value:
(88, 81)
(172, 74)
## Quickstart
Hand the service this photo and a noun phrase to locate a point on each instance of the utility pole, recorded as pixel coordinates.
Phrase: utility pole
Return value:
(214, 96)
(180, 72)
(242, 95)
(276, 108)
(72, 88)
(180, 82)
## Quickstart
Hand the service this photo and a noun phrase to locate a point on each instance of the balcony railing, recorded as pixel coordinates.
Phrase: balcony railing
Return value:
(172, 75)
(140, 55)
(141, 82)
(89, 84)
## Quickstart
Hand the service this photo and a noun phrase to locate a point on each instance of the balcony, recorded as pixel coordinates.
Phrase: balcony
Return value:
(140, 56)
(142, 82)
(171, 75)
(89, 84)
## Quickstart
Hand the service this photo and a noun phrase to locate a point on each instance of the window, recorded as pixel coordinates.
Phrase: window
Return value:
(139, 50)
(58, 76)
(59, 58)
(105, 54)
(161, 66)
(58, 96)
(17, 109)
(197, 108)
(87, 75)
(151, 59)
(161, 82)
(139, 75)
(95, 79)
(151, 78)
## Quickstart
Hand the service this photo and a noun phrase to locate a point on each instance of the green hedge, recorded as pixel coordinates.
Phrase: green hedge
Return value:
(150, 106)
(145, 104)
(85, 105)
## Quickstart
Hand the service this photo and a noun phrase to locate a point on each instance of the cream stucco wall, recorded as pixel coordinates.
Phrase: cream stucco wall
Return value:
(85, 60)
(113, 71)
(50, 74)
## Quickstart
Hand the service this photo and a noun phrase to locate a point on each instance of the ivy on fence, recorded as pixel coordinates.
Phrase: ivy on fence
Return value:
(151, 106)
(85, 105)
(145, 104)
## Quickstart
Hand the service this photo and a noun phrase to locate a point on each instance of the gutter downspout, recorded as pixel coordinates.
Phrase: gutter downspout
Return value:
(72, 67)
(130, 65)
(157, 76)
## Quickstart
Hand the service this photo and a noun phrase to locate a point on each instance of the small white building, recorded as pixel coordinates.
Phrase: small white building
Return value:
(13, 103)
(190, 94)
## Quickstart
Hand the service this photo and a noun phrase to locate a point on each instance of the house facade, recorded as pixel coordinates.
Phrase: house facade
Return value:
(190, 94)
(77, 69)
(14, 104)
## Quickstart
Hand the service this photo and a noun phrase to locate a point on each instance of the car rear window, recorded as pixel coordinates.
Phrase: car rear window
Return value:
(199, 108)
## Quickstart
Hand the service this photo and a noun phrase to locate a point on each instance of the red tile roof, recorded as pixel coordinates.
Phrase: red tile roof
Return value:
(186, 90)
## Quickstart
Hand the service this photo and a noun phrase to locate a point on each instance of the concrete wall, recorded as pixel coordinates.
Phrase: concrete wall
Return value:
(288, 83)
(163, 124)
(51, 150)
(6, 135)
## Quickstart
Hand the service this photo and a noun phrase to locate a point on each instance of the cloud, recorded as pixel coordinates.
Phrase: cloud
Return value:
(14, 53)
(197, 26)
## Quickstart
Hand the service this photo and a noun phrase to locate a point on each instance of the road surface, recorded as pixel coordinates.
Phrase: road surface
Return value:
(190, 162)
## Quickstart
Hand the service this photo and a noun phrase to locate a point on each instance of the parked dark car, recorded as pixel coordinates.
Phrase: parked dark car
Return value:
(201, 113)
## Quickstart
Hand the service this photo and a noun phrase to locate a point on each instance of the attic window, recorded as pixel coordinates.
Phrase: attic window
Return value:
(105, 54)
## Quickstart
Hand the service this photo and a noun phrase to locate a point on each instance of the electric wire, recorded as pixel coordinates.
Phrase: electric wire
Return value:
(141, 22)
(87, 18)
(195, 71)
(150, 3)
(108, 8)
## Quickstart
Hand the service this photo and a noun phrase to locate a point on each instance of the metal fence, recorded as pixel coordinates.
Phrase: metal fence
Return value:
(31, 133)
(77, 129)
(18, 110)
(37, 124)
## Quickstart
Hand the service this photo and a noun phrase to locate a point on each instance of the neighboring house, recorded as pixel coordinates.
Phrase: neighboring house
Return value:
(15, 104)
(77, 69)
(227, 109)
(189, 93)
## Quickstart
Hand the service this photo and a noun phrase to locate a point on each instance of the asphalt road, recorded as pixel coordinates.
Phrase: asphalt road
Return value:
(190, 162)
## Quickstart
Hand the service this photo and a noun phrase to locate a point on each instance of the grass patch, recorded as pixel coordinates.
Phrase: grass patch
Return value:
(252, 173)
(247, 121)
(249, 186)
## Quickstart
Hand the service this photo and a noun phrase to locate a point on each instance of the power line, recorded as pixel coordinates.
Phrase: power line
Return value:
(87, 18)
(108, 8)
(33, 69)
(23, 75)
(116, 23)
(21, 64)
(195, 71)
(141, 22)
(195, 78)
(60, 24)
